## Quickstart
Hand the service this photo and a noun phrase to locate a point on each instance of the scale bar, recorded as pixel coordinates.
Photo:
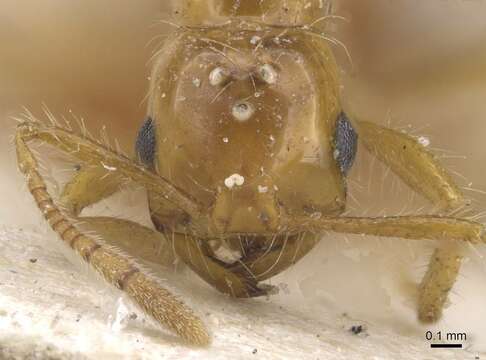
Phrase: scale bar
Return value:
(459, 346)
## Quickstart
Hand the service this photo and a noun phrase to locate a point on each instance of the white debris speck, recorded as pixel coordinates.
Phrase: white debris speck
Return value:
(262, 189)
(272, 138)
(235, 179)
(255, 39)
(109, 168)
(196, 82)
(121, 317)
(225, 140)
(163, 95)
(227, 255)
(424, 141)
(336, 154)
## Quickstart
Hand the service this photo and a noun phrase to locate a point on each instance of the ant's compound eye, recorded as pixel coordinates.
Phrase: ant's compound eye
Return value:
(346, 143)
(146, 143)
(268, 74)
(218, 76)
(243, 111)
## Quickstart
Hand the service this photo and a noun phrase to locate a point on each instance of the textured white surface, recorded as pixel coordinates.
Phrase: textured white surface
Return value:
(50, 307)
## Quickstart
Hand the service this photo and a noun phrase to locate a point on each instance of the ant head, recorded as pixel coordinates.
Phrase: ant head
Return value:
(249, 120)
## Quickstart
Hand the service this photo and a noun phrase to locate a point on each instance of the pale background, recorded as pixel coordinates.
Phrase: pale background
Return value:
(418, 66)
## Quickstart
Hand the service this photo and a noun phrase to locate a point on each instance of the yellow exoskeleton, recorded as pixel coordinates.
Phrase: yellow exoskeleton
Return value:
(244, 155)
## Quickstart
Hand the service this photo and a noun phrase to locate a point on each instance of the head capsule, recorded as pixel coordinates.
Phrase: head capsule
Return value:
(246, 120)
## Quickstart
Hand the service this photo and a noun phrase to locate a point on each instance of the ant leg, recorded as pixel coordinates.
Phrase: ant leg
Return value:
(136, 240)
(90, 185)
(422, 227)
(411, 161)
(419, 169)
(441, 275)
(116, 268)
(92, 153)
(444, 264)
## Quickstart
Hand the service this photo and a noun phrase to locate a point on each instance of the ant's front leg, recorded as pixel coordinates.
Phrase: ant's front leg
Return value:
(419, 169)
(444, 264)
(117, 268)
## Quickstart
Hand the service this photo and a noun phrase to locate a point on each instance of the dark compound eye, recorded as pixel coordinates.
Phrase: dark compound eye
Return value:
(146, 143)
(345, 143)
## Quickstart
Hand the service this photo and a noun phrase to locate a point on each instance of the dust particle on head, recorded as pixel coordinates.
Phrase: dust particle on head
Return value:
(234, 180)
(255, 40)
(262, 189)
(424, 141)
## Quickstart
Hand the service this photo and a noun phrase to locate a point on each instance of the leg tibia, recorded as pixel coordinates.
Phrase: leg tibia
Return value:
(440, 277)
(420, 227)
